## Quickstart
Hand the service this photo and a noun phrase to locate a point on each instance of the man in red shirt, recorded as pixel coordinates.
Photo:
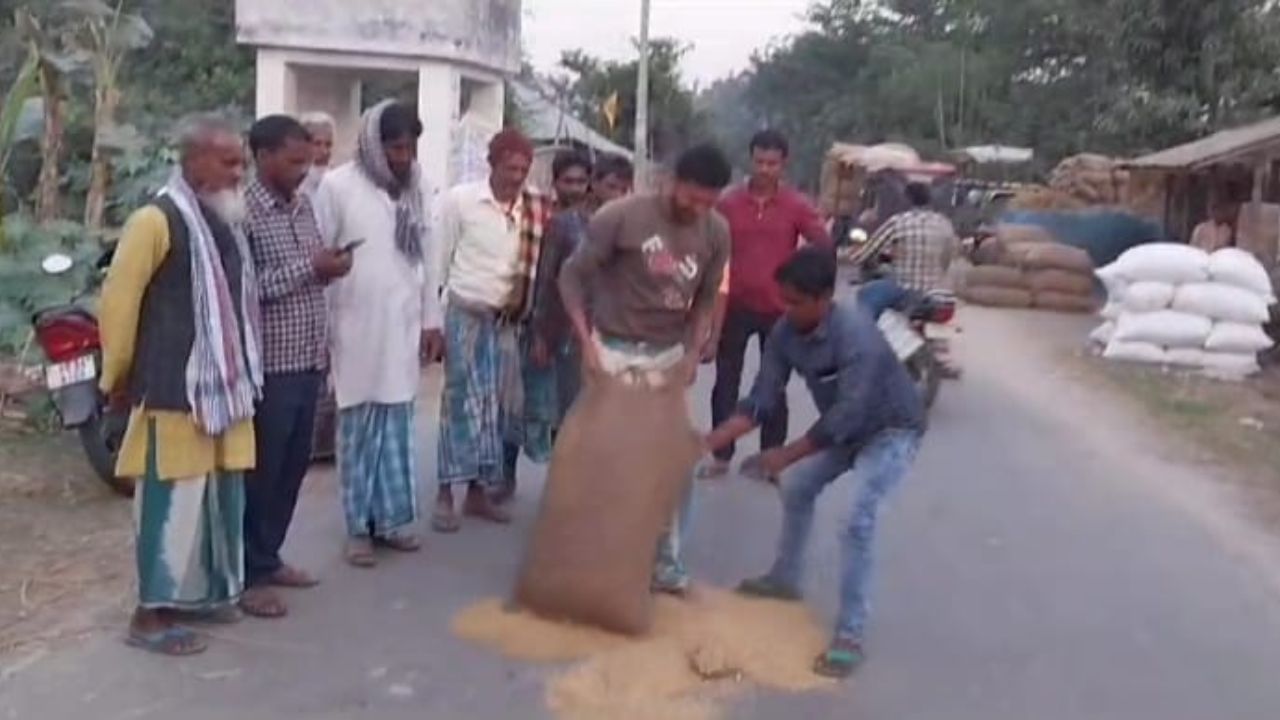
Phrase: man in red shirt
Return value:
(767, 220)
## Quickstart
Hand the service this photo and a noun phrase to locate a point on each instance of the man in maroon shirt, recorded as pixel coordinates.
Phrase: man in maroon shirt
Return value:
(767, 220)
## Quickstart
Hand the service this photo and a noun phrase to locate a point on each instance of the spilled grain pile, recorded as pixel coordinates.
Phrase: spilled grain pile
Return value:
(699, 650)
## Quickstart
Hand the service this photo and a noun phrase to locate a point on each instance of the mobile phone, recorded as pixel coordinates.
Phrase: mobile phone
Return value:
(350, 246)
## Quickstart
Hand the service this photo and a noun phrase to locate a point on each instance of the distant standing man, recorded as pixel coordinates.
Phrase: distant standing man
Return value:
(767, 221)
(322, 128)
(385, 323)
(1221, 230)
(490, 238)
(870, 426)
(640, 295)
(293, 268)
(179, 324)
(553, 344)
(613, 178)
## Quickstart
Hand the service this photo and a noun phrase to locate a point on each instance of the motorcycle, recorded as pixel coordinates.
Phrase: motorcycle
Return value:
(68, 334)
(906, 329)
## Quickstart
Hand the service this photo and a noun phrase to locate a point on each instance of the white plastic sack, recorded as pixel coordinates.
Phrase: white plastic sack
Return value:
(1233, 266)
(1134, 352)
(1228, 337)
(1230, 365)
(1102, 334)
(1166, 328)
(1164, 262)
(1222, 302)
(1112, 311)
(1185, 357)
(1148, 296)
(1114, 283)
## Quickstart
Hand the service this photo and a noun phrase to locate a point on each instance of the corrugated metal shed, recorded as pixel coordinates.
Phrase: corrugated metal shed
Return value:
(546, 122)
(1219, 147)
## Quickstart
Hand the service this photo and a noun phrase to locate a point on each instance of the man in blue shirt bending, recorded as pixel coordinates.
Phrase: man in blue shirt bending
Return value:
(871, 424)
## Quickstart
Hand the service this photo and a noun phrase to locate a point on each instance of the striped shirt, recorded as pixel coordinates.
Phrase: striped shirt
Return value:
(284, 238)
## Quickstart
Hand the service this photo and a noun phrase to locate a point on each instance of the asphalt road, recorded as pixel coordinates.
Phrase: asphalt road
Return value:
(1046, 559)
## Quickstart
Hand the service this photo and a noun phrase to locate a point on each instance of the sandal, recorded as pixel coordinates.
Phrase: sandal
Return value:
(172, 641)
(482, 509)
(503, 494)
(291, 577)
(221, 615)
(840, 660)
(445, 522)
(399, 542)
(766, 588)
(262, 602)
(359, 553)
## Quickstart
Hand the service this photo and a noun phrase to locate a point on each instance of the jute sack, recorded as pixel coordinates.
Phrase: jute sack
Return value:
(1056, 256)
(998, 297)
(1060, 281)
(621, 462)
(1065, 302)
(995, 276)
(1013, 234)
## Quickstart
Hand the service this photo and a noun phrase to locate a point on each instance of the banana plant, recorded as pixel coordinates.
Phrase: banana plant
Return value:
(101, 37)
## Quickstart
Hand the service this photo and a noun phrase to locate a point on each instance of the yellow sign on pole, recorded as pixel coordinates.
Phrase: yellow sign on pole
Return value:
(611, 109)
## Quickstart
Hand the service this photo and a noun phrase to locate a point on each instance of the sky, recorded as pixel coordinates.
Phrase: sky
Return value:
(723, 33)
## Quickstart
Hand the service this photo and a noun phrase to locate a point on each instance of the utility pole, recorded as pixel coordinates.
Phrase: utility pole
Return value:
(642, 102)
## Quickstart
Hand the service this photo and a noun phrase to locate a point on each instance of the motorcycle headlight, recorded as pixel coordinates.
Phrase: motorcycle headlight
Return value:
(858, 236)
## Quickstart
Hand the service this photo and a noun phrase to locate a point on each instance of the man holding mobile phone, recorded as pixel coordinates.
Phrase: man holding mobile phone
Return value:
(293, 268)
(386, 323)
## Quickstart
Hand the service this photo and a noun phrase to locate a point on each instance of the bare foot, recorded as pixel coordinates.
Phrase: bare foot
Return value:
(478, 505)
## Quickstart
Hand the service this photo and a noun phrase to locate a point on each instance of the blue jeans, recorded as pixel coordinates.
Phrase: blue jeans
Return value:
(877, 468)
(880, 295)
(669, 571)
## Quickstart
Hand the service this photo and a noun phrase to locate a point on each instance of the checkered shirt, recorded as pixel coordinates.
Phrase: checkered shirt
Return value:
(283, 238)
(920, 242)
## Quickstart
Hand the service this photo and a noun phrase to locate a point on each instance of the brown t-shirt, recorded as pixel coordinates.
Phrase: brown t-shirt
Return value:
(650, 275)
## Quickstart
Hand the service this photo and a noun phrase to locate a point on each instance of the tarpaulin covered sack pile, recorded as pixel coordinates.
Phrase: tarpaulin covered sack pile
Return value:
(621, 463)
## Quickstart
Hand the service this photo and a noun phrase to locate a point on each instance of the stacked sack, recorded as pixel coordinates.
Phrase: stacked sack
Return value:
(1025, 268)
(1174, 304)
(1091, 179)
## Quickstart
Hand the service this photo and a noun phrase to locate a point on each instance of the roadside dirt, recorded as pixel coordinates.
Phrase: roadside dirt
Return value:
(66, 546)
(1235, 425)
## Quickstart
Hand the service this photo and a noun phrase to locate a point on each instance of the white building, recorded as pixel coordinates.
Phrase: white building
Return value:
(316, 55)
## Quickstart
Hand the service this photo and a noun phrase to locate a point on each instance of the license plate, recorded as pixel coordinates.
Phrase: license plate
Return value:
(60, 375)
(904, 340)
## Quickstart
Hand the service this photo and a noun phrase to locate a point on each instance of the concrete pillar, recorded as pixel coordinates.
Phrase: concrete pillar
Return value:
(276, 85)
(439, 89)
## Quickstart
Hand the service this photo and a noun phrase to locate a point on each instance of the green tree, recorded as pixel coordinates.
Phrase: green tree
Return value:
(590, 83)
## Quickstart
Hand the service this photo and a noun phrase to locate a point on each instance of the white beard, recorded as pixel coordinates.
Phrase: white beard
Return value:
(229, 205)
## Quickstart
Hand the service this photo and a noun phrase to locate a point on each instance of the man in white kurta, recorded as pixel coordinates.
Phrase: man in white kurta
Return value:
(386, 320)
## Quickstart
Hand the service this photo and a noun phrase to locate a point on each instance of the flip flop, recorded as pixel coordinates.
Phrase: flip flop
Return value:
(359, 553)
(268, 606)
(445, 523)
(766, 588)
(486, 511)
(399, 542)
(173, 641)
(223, 615)
(840, 660)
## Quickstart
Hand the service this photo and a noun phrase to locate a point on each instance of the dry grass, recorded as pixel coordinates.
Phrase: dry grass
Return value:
(67, 543)
(1233, 424)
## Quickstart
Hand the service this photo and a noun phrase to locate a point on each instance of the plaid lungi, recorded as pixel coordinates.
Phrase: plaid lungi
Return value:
(377, 463)
(482, 377)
